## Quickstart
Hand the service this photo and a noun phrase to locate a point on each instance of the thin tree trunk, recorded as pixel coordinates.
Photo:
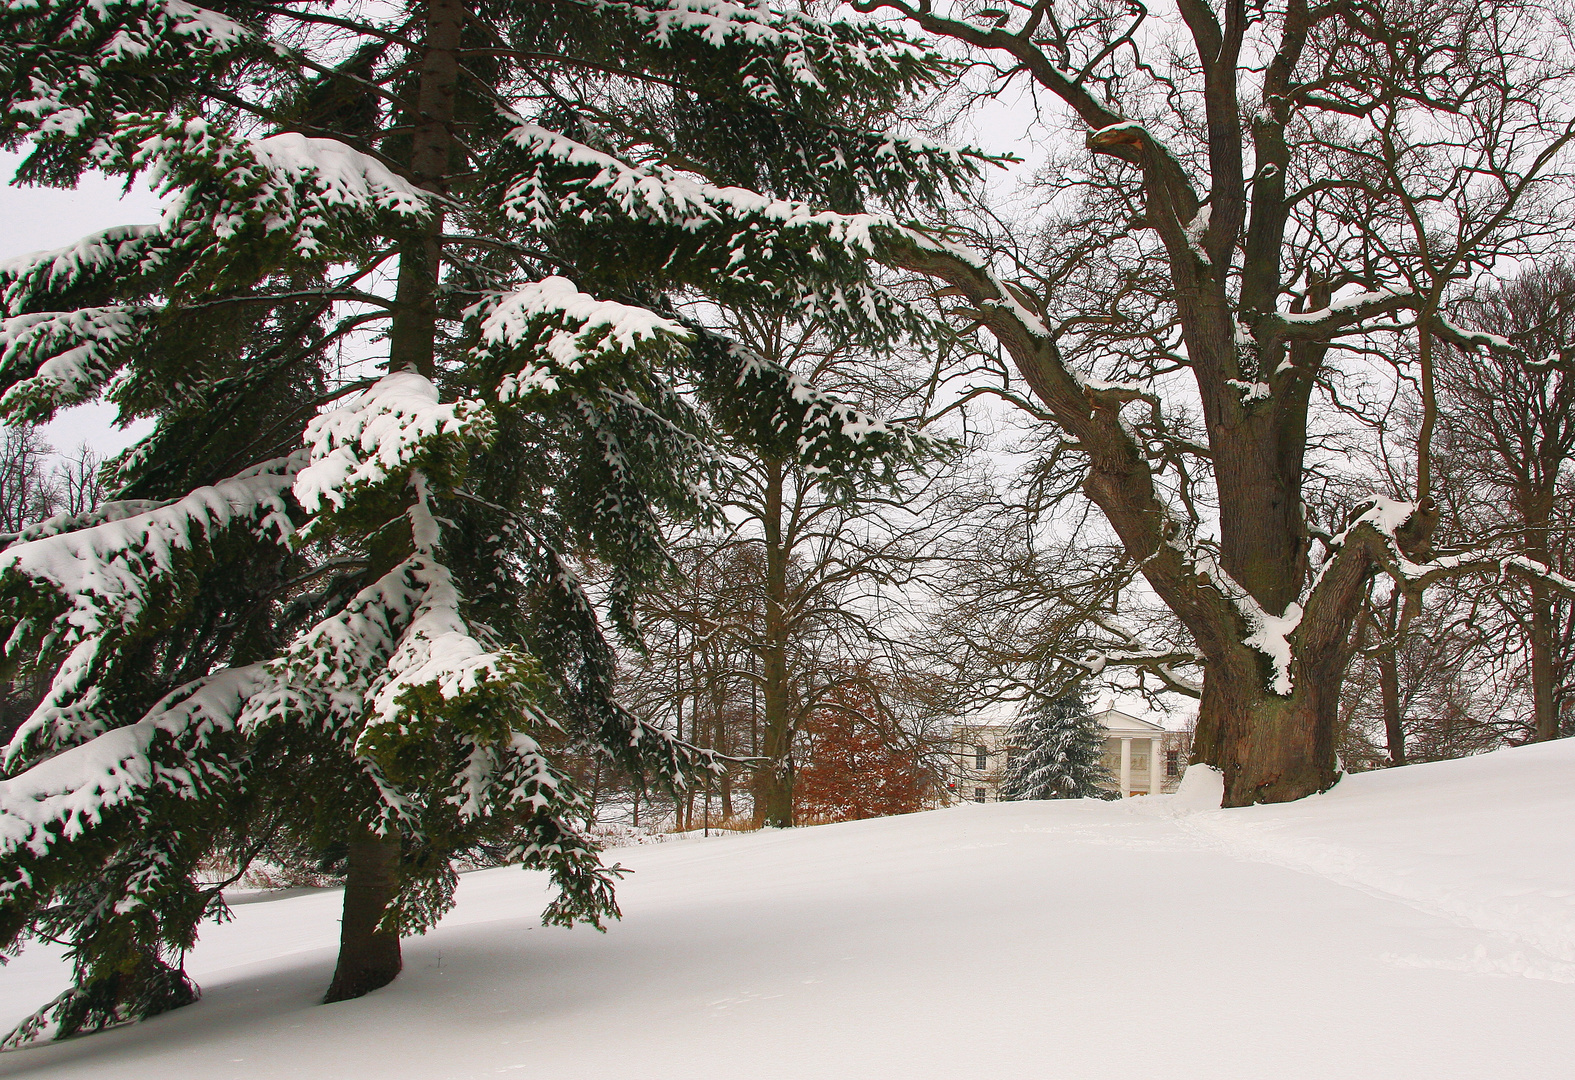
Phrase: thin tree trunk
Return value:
(368, 955)
(1389, 690)
(1545, 708)
(678, 707)
(596, 792)
(725, 783)
(774, 781)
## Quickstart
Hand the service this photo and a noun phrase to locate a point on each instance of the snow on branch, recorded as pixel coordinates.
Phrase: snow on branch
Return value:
(513, 776)
(1269, 634)
(382, 433)
(659, 193)
(37, 281)
(807, 50)
(336, 174)
(70, 793)
(568, 331)
(814, 261)
(1383, 513)
(55, 359)
(341, 652)
(64, 523)
(1458, 335)
(197, 25)
(78, 86)
(1386, 517)
(108, 577)
(437, 663)
(298, 196)
(1343, 314)
(829, 436)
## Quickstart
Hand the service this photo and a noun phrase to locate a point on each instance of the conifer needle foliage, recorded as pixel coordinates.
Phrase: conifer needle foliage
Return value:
(411, 337)
(1059, 753)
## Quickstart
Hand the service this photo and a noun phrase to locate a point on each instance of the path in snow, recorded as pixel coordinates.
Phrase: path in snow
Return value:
(1414, 923)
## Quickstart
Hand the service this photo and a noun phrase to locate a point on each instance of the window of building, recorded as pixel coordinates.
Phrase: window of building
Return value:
(1172, 762)
(978, 794)
(981, 758)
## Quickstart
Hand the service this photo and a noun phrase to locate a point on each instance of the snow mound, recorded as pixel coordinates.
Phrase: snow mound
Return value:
(1418, 922)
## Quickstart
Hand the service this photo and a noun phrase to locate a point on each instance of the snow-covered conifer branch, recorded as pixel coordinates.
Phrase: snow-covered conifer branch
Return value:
(77, 594)
(663, 195)
(42, 280)
(378, 435)
(67, 795)
(55, 359)
(563, 332)
(793, 51)
(300, 199)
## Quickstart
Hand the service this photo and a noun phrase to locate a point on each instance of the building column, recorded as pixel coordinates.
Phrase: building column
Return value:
(1126, 767)
(1156, 766)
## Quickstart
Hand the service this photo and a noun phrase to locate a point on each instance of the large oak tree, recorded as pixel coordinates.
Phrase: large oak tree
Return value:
(1267, 192)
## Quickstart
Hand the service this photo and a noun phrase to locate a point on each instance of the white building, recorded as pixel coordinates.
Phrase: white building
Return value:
(1141, 755)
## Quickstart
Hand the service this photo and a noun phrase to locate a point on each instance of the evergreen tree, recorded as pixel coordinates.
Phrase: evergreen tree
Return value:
(334, 600)
(1060, 750)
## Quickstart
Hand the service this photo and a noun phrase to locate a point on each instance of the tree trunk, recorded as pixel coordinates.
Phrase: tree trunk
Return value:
(368, 955)
(774, 781)
(412, 344)
(724, 745)
(1545, 708)
(1269, 748)
(1389, 689)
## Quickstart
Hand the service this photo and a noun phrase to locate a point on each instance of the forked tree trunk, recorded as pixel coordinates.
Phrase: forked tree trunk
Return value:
(369, 954)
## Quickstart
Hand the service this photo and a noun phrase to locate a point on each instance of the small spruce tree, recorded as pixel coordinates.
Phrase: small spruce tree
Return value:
(1059, 753)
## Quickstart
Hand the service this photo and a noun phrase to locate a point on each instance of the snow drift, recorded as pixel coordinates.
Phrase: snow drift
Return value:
(1419, 922)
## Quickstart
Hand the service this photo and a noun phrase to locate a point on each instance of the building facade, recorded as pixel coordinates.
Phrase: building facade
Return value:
(1141, 756)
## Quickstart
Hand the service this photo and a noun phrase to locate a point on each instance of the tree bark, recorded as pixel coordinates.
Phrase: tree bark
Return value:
(369, 954)
(1389, 690)
(774, 781)
(412, 344)
(1545, 708)
(1270, 748)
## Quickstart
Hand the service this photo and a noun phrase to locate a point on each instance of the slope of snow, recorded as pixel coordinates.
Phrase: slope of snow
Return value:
(1418, 923)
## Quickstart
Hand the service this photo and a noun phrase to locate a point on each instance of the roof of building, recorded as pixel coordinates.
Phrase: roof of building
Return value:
(1114, 721)
(1117, 722)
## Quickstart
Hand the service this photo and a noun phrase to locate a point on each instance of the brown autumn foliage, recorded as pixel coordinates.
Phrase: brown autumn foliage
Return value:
(856, 765)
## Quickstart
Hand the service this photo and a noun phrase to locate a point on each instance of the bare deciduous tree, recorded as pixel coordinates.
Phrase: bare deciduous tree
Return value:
(27, 493)
(1273, 191)
(1507, 459)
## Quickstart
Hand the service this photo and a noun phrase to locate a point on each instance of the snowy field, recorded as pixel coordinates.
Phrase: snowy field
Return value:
(1419, 923)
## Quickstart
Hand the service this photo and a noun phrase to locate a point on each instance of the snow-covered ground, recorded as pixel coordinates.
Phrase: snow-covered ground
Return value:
(1418, 923)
